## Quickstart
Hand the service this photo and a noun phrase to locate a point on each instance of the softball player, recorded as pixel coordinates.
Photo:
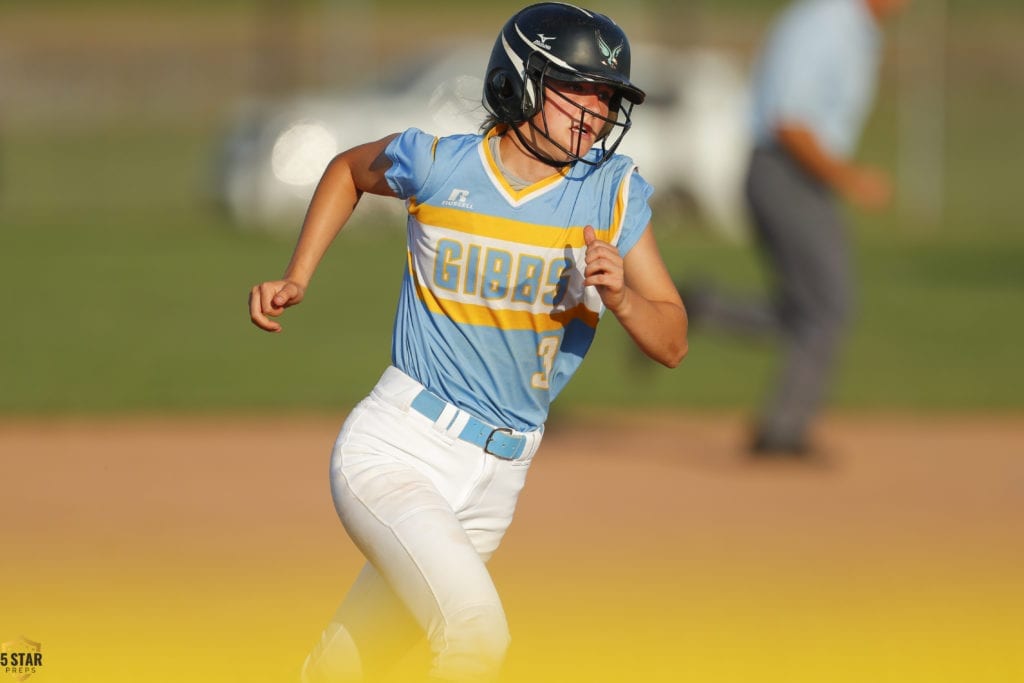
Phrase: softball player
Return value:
(519, 239)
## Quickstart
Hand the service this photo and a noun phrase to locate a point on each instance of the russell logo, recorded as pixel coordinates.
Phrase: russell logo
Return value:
(458, 199)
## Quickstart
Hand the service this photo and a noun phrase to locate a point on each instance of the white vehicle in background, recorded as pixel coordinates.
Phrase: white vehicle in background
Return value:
(689, 138)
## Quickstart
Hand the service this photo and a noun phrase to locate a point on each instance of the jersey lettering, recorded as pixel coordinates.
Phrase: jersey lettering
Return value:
(528, 279)
(558, 279)
(547, 350)
(446, 272)
(472, 266)
(495, 274)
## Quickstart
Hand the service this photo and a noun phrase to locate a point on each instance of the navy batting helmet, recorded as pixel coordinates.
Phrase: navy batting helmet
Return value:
(561, 42)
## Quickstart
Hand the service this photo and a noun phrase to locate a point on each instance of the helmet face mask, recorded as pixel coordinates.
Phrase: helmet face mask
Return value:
(562, 43)
(612, 126)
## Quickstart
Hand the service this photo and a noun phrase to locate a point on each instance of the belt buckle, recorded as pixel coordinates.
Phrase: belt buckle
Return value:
(490, 437)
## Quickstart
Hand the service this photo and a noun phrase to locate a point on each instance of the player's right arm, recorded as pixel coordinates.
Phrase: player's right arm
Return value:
(350, 174)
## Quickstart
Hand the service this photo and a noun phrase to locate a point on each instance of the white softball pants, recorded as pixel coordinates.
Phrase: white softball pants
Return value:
(427, 510)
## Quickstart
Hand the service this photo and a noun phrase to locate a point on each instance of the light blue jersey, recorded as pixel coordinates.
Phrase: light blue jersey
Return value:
(819, 68)
(493, 315)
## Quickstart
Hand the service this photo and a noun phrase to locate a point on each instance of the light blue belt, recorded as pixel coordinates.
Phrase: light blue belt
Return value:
(499, 441)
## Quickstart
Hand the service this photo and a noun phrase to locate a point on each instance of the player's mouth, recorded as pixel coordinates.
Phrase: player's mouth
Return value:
(584, 132)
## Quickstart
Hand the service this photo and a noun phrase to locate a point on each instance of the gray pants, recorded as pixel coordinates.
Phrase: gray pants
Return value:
(800, 231)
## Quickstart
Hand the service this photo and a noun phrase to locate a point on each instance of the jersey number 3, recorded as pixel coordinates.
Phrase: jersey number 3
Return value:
(547, 350)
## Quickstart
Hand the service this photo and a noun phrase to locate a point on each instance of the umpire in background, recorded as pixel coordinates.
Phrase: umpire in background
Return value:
(814, 83)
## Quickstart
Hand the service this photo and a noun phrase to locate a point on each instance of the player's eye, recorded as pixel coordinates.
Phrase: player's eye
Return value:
(603, 93)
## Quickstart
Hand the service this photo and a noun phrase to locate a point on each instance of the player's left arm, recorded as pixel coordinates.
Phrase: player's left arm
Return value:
(639, 291)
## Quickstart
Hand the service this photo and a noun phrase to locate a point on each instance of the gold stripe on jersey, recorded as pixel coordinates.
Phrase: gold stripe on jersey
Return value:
(621, 202)
(504, 319)
(507, 229)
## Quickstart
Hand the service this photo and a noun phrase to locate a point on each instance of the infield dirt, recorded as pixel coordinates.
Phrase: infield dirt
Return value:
(644, 549)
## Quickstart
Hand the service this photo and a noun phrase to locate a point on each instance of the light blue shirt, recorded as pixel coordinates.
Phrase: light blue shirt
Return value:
(493, 315)
(818, 68)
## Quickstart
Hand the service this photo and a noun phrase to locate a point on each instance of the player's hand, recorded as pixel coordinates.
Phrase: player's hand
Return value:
(269, 299)
(867, 188)
(604, 270)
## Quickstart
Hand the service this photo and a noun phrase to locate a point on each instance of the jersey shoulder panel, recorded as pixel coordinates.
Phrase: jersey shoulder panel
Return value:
(629, 192)
(415, 157)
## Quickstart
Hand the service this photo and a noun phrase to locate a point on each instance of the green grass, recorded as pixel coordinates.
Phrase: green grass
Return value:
(935, 330)
(126, 289)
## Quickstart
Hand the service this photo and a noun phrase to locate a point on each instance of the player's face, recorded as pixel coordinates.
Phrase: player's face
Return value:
(574, 116)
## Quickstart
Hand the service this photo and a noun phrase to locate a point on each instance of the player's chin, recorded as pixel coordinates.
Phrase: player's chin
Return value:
(570, 151)
(562, 155)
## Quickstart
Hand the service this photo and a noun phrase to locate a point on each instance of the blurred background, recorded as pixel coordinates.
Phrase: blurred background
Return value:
(154, 159)
(146, 183)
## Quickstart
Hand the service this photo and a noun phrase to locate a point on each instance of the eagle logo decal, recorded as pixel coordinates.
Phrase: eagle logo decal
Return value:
(611, 55)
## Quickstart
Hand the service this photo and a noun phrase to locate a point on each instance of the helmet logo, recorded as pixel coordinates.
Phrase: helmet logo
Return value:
(611, 55)
(542, 41)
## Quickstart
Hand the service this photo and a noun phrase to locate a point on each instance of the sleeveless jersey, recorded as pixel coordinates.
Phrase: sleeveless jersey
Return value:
(493, 316)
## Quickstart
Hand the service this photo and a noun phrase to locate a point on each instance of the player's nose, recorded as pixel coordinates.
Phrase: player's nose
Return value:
(595, 103)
